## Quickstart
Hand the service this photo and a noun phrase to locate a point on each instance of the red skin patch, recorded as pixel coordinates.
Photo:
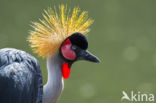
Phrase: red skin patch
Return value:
(68, 54)
(66, 50)
(65, 71)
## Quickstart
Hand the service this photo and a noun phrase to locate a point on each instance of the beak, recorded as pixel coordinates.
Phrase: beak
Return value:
(86, 55)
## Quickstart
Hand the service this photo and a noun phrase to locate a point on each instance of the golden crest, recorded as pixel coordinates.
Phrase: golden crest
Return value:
(48, 34)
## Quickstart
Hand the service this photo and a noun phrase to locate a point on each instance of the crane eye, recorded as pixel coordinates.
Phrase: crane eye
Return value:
(73, 47)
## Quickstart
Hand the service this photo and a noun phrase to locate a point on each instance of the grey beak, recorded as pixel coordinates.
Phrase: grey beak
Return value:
(86, 55)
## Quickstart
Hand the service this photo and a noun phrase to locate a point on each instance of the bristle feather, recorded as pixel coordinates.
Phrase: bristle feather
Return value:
(47, 36)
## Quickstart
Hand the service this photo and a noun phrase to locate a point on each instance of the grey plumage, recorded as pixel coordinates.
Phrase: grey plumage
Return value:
(20, 77)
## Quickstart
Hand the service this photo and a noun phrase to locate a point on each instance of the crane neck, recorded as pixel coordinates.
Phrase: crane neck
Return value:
(54, 86)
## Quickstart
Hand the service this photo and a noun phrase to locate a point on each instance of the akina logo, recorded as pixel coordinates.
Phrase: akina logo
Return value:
(137, 96)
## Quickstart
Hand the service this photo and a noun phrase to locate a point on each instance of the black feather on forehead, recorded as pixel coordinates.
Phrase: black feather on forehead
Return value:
(79, 40)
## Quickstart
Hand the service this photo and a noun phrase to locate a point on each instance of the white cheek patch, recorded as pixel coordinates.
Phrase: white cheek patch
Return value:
(66, 50)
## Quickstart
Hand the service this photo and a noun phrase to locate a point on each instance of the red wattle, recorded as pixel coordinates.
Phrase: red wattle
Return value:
(65, 71)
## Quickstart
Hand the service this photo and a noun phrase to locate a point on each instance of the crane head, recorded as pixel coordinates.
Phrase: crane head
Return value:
(56, 26)
(62, 31)
(74, 48)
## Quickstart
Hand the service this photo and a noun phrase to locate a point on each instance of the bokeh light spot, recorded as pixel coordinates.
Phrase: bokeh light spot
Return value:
(87, 91)
(146, 87)
(130, 53)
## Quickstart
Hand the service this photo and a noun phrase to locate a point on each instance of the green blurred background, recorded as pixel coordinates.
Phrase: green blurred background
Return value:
(123, 36)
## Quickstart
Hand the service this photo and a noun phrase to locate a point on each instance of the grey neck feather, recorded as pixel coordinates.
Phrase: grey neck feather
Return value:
(54, 85)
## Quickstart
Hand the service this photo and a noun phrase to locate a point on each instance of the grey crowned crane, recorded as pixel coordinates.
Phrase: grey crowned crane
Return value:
(59, 38)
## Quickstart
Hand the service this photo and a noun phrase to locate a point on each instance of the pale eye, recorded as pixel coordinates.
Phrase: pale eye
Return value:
(73, 47)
